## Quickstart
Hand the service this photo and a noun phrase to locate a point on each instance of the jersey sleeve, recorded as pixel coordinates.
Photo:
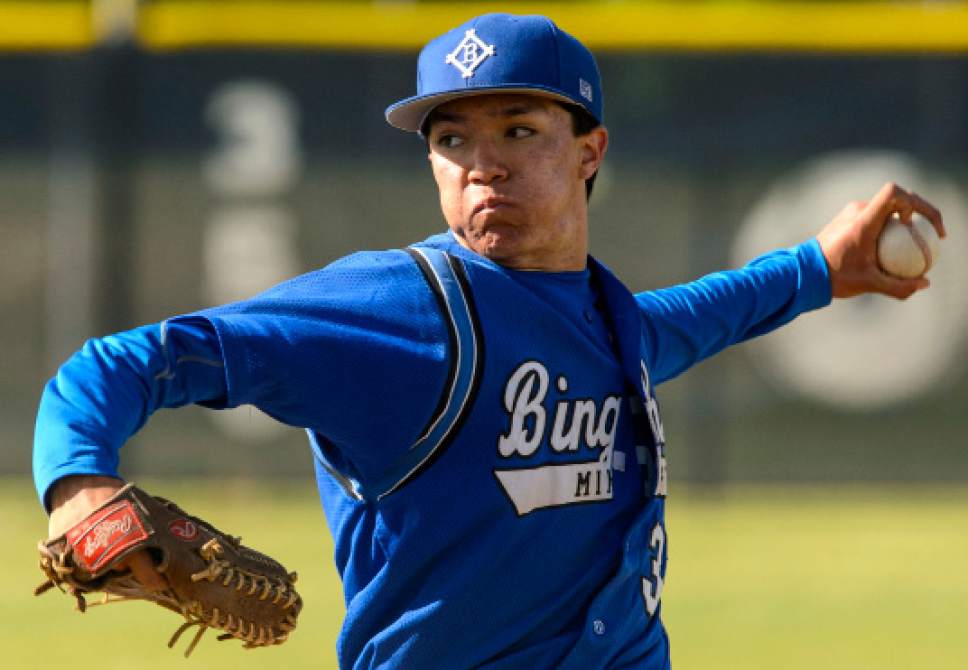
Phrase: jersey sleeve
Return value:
(105, 392)
(355, 352)
(690, 322)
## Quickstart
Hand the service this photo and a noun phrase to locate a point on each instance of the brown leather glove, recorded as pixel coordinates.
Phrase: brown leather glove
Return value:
(214, 581)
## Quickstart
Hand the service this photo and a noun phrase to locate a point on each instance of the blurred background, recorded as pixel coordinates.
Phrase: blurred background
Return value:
(159, 157)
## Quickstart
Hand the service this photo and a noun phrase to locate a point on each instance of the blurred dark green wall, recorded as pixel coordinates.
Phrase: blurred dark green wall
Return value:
(137, 186)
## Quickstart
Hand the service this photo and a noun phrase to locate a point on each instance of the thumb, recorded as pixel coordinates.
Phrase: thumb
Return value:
(143, 569)
(902, 289)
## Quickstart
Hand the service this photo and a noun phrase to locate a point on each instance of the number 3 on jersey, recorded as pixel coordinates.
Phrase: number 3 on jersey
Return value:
(652, 586)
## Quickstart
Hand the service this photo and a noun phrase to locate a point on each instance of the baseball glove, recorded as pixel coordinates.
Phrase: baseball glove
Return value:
(214, 580)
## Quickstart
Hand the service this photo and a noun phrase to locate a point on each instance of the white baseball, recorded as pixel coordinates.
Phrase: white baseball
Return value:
(907, 251)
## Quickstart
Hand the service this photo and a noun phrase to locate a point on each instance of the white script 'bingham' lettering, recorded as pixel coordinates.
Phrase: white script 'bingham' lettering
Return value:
(574, 420)
(651, 406)
(523, 395)
(103, 532)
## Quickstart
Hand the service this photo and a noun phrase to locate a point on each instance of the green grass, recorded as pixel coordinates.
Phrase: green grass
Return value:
(285, 521)
(759, 578)
(840, 578)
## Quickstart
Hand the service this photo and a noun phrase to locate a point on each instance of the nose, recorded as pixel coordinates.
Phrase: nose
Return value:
(487, 164)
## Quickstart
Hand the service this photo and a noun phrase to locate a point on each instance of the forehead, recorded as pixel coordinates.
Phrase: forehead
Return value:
(496, 105)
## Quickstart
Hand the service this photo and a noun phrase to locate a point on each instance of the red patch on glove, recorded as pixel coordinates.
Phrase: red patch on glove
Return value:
(101, 537)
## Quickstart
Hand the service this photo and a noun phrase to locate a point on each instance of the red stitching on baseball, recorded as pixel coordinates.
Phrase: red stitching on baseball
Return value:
(923, 245)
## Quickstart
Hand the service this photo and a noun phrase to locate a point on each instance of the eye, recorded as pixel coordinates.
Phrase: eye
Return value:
(449, 141)
(519, 132)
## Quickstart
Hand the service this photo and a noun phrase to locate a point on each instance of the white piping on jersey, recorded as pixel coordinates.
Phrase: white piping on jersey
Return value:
(470, 384)
(456, 331)
(474, 357)
(199, 359)
(348, 485)
(168, 373)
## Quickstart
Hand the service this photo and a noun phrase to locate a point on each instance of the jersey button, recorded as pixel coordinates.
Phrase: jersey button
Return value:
(598, 626)
(588, 316)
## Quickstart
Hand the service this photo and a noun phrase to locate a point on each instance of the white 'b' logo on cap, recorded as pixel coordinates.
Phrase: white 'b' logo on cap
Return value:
(469, 54)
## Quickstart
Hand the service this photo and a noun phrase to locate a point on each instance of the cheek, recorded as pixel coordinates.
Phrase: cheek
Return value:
(449, 186)
(551, 171)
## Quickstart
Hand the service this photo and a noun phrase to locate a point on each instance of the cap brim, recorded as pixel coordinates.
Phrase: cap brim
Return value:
(410, 114)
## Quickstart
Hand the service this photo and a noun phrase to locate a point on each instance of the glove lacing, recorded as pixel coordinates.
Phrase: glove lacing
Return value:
(236, 627)
(253, 635)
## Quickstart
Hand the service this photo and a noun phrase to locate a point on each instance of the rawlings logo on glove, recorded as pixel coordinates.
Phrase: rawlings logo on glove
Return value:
(107, 530)
(183, 529)
(214, 580)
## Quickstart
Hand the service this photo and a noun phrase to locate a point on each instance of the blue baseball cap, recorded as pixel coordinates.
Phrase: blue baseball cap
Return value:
(501, 53)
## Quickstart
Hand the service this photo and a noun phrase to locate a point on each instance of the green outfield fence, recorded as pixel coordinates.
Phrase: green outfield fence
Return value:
(160, 157)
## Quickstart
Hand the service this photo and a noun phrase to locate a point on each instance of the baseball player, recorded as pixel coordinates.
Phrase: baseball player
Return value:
(481, 405)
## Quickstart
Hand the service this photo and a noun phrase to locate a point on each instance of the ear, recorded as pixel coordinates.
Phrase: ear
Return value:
(594, 146)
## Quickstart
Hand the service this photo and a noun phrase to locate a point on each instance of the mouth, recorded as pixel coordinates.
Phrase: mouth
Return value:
(491, 204)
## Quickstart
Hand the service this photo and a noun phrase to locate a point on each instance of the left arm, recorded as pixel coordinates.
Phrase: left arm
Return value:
(688, 323)
(691, 322)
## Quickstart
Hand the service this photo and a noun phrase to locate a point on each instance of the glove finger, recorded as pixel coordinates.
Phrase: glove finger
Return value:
(143, 569)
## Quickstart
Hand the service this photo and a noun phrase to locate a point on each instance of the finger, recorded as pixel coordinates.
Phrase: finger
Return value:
(930, 212)
(890, 199)
(143, 569)
(902, 289)
(883, 202)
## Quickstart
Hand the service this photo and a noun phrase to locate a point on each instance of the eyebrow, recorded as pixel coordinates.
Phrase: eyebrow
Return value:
(517, 109)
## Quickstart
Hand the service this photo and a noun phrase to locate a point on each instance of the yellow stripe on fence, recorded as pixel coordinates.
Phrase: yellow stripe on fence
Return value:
(620, 25)
(844, 26)
(26, 26)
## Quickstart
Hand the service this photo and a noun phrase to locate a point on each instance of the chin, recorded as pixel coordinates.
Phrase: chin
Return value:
(500, 242)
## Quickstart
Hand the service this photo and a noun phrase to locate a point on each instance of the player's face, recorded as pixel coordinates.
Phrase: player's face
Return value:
(511, 175)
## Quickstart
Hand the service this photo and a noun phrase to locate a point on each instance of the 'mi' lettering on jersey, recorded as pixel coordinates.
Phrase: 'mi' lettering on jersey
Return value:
(574, 423)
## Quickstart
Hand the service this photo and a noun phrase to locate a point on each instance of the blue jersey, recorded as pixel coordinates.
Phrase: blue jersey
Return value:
(489, 450)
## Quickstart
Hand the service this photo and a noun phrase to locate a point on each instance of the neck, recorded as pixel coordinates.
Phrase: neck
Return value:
(564, 255)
